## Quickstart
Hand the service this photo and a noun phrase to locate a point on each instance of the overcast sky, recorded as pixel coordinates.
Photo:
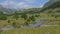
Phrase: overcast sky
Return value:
(22, 3)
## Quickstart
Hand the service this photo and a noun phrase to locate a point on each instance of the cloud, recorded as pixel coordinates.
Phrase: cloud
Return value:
(30, 1)
(21, 4)
(12, 4)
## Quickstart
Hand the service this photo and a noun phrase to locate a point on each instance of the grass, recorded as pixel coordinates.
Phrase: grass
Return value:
(3, 23)
(39, 30)
(49, 19)
(20, 21)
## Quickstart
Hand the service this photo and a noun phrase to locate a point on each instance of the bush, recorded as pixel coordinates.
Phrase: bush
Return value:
(59, 24)
(8, 21)
(3, 17)
(26, 23)
(37, 15)
(16, 25)
(16, 15)
(24, 16)
(29, 20)
(32, 18)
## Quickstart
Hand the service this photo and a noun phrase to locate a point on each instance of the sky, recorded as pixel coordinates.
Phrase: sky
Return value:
(22, 4)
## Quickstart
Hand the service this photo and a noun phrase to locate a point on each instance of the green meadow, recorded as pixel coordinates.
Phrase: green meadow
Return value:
(39, 30)
(44, 20)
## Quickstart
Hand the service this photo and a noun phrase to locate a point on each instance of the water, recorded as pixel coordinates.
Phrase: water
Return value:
(38, 23)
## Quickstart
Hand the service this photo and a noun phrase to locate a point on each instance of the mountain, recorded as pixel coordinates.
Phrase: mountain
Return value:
(5, 10)
(52, 4)
(31, 10)
(49, 7)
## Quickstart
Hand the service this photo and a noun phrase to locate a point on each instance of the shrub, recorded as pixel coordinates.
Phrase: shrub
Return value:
(16, 15)
(16, 25)
(32, 18)
(3, 17)
(37, 15)
(8, 21)
(59, 24)
(24, 16)
(26, 23)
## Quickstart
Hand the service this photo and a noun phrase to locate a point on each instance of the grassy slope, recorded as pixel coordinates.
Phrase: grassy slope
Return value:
(50, 20)
(5, 22)
(40, 30)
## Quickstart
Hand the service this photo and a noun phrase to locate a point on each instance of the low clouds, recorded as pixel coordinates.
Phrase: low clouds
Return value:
(31, 1)
(21, 4)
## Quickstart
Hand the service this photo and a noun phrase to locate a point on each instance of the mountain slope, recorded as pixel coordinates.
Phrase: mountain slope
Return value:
(52, 4)
(5, 10)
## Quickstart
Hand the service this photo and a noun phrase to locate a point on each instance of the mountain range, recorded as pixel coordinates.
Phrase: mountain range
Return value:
(52, 4)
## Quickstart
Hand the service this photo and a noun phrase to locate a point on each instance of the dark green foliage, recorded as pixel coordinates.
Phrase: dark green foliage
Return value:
(29, 20)
(55, 5)
(26, 23)
(31, 10)
(59, 24)
(16, 25)
(24, 16)
(37, 15)
(51, 5)
(8, 21)
(32, 18)
(16, 15)
(3, 17)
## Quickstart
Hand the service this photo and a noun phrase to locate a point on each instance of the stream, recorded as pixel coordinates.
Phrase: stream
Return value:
(37, 24)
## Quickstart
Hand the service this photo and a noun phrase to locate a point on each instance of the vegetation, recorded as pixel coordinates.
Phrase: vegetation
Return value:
(50, 12)
(3, 17)
(40, 30)
(24, 16)
(16, 16)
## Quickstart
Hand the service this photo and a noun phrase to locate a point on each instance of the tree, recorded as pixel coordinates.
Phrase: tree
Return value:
(26, 23)
(16, 15)
(37, 15)
(32, 18)
(14, 24)
(24, 16)
(8, 21)
(3, 17)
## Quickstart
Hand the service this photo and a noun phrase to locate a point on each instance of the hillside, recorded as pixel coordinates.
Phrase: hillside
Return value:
(51, 2)
(5, 10)
(31, 10)
(45, 20)
(51, 5)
